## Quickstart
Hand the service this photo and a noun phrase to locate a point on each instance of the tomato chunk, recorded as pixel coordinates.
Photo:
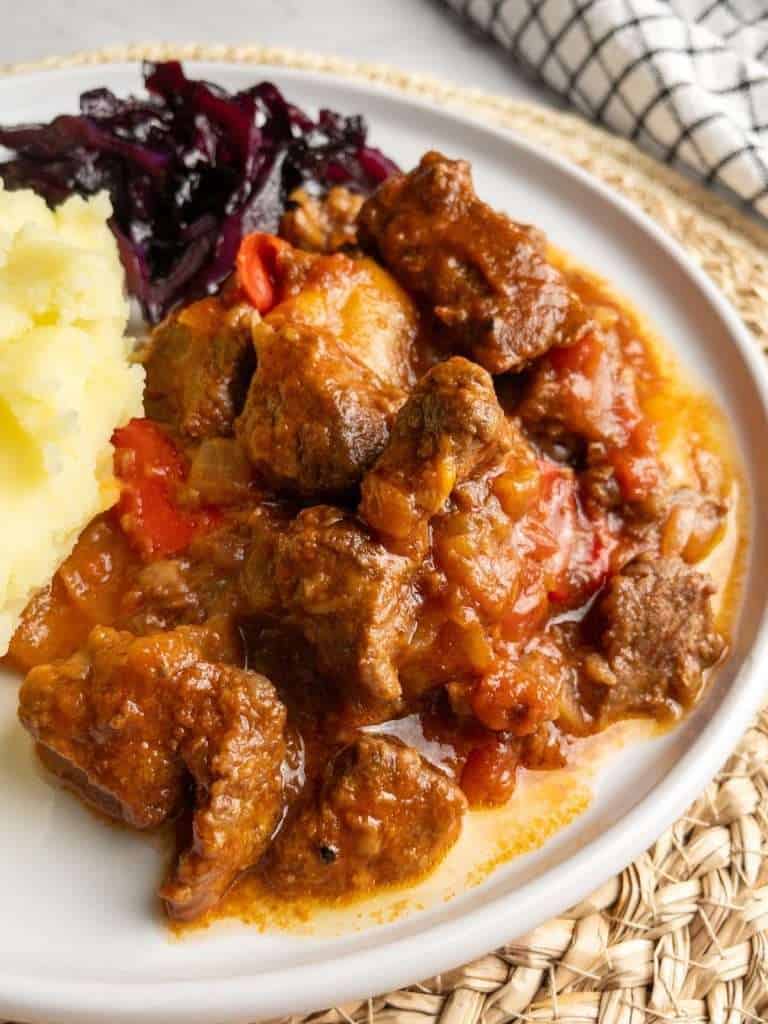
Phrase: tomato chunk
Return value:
(519, 696)
(580, 563)
(597, 390)
(257, 269)
(566, 555)
(490, 772)
(151, 470)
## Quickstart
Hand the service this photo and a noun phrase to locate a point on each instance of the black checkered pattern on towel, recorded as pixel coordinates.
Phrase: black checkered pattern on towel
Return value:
(686, 79)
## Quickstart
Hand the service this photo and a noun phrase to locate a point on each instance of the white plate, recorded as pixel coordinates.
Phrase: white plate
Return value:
(81, 940)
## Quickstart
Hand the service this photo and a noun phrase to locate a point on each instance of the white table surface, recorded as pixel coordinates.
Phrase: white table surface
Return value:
(419, 35)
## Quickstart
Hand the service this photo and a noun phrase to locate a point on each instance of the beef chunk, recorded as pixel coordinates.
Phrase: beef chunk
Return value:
(127, 721)
(198, 368)
(382, 816)
(232, 726)
(657, 637)
(333, 366)
(322, 224)
(315, 416)
(67, 704)
(494, 296)
(351, 598)
(190, 589)
(450, 427)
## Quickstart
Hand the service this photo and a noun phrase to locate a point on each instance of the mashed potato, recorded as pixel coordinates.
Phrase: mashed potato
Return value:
(65, 384)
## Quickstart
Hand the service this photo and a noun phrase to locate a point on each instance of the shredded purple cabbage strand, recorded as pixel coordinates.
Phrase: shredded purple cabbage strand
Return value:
(190, 169)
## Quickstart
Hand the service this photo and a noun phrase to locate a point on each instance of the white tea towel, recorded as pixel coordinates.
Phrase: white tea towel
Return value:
(686, 79)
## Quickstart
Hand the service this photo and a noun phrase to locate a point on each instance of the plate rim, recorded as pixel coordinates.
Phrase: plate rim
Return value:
(435, 948)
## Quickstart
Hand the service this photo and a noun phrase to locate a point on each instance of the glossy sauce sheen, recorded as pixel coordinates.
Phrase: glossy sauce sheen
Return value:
(489, 592)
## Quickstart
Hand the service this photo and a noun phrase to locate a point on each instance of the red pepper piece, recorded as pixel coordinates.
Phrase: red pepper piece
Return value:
(150, 469)
(257, 269)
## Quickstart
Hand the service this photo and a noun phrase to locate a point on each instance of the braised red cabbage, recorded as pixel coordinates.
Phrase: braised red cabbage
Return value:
(190, 169)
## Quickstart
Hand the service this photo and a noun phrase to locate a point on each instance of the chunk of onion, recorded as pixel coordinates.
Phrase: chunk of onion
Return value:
(220, 473)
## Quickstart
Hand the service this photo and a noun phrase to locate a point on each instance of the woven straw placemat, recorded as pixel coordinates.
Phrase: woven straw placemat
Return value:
(681, 934)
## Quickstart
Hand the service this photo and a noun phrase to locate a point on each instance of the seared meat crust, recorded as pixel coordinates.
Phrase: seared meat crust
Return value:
(198, 368)
(350, 596)
(382, 815)
(127, 721)
(658, 636)
(486, 279)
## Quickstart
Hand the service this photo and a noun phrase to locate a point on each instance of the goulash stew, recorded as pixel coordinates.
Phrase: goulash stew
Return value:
(401, 465)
